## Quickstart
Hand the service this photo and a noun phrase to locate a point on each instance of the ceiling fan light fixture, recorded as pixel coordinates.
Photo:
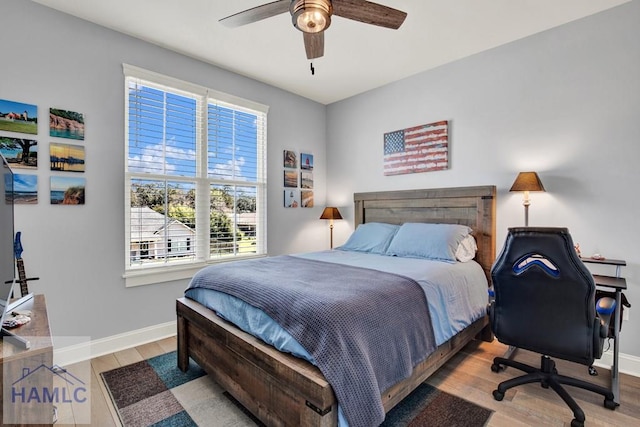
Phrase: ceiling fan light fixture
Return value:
(311, 16)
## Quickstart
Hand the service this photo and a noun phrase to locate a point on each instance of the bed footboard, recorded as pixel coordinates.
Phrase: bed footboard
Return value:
(280, 389)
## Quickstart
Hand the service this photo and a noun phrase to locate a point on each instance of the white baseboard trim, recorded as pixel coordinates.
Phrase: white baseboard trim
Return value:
(81, 352)
(64, 356)
(627, 364)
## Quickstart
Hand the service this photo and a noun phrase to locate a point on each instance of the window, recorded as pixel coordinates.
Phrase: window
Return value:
(195, 177)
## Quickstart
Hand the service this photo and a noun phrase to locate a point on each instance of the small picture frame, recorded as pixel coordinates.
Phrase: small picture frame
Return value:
(66, 124)
(291, 198)
(67, 190)
(21, 153)
(291, 179)
(306, 161)
(25, 189)
(306, 198)
(306, 179)
(66, 157)
(18, 117)
(290, 159)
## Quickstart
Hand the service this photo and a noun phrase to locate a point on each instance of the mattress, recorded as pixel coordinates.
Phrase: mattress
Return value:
(456, 293)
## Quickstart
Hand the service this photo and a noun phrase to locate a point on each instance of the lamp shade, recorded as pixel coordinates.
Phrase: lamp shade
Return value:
(527, 181)
(330, 213)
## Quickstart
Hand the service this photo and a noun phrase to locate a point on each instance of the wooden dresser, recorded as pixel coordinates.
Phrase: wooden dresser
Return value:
(28, 394)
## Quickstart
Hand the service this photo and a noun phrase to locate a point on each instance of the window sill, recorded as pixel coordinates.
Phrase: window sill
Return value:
(155, 275)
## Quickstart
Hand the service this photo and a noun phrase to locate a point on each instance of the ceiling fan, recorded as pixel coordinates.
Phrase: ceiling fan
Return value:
(313, 17)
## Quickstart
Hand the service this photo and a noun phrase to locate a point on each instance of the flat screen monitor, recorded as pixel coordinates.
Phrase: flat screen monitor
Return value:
(7, 259)
(7, 253)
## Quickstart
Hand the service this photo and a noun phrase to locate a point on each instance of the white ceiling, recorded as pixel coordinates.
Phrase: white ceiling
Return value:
(358, 57)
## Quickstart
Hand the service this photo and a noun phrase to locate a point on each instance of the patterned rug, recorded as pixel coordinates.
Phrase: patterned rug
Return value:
(155, 392)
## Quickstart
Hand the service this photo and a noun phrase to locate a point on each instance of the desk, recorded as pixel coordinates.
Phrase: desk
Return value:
(617, 284)
(16, 362)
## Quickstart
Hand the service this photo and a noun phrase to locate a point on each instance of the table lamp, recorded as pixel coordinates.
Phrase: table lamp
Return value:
(527, 181)
(331, 213)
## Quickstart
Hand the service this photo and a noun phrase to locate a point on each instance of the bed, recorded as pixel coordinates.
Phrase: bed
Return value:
(281, 389)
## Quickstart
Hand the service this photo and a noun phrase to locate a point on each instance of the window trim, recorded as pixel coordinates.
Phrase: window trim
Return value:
(150, 274)
(192, 88)
(162, 274)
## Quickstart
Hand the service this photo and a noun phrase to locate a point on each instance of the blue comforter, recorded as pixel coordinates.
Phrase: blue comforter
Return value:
(365, 329)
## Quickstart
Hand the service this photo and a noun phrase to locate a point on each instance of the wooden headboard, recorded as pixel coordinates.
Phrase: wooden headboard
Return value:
(471, 206)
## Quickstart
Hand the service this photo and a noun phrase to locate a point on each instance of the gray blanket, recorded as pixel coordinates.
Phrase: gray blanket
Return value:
(366, 329)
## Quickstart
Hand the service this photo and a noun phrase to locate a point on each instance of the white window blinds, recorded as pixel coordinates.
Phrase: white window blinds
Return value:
(195, 178)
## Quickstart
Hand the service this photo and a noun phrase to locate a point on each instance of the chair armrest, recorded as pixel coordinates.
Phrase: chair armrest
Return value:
(605, 309)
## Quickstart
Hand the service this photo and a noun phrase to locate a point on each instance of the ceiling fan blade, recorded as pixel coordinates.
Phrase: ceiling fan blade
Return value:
(257, 13)
(314, 44)
(369, 13)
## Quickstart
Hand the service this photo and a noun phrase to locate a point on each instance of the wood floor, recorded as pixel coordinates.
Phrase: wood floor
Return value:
(467, 375)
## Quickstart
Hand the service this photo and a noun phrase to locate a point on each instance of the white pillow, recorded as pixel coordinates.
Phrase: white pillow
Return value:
(466, 249)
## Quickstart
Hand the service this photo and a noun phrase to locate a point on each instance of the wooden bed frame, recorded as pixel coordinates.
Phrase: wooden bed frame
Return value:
(282, 390)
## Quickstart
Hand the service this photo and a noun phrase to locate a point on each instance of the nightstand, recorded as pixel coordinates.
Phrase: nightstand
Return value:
(617, 284)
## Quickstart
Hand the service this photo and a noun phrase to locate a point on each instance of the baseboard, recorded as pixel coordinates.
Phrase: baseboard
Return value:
(81, 352)
(627, 364)
(64, 356)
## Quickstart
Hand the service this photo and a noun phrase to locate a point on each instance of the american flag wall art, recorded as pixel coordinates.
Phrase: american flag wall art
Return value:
(418, 149)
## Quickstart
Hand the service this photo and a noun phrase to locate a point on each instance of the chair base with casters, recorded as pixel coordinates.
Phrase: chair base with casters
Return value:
(547, 375)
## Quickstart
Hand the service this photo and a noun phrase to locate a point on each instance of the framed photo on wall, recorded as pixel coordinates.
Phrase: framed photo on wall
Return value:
(291, 198)
(22, 153)
(67, 190)
(18, 117)
(66, 157)
(25, 189)
(306, 198)
(291, 179)
(306, 161)
(290, 159)
(306, 179)
(66, 124)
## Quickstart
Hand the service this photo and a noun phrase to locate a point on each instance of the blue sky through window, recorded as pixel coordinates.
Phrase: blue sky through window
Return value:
(163, 130)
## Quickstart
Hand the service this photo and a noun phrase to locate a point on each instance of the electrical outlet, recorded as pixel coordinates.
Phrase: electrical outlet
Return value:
(625, 315)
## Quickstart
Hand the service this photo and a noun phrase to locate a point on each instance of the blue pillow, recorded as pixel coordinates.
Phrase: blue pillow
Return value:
(431, 241)
(373, 237)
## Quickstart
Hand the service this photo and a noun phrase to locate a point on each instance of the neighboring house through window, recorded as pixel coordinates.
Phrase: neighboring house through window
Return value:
(195, 178)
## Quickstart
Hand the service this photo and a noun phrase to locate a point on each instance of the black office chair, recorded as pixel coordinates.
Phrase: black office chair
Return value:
(544, 302)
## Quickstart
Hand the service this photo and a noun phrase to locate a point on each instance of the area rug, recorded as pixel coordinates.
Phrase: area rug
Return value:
(155, 392)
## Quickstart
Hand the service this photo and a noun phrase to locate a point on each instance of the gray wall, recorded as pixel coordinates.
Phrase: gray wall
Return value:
(54, 60)
(565, 103)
